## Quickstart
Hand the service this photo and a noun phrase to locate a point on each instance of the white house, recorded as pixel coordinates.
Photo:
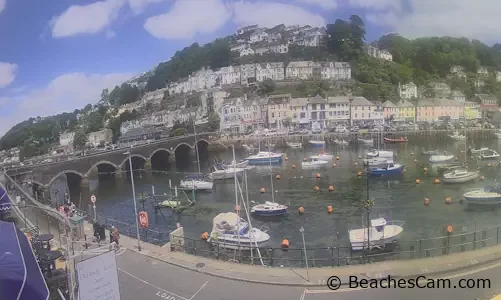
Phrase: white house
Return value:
(386, 55)
(458, 96)
(239, 47)
(231, 116)
(299, 112)
(479, 82)
(372, 51)
(247, 74)
(338, 110)
(246, 29)
(278, 110)
(456, 68)
(154, 96)
(317, 111)
(498, 76)
(102, 136)
(247, 51)
(229, 75)
(335, 71)
(128, 125)
(407, 91)
(364, 110)
(66, 139)
(212, 100)
(258, 36)
(271, 70)
(483, 72)
(300, 69)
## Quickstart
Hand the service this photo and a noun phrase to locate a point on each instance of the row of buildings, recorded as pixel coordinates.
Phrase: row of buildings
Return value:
(97, 138)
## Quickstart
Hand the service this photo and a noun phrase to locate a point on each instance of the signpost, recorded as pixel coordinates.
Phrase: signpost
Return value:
(98, 278)
(93, 200)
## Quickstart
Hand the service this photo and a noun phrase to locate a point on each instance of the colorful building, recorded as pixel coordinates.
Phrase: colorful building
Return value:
(472, 111)
(406, 111)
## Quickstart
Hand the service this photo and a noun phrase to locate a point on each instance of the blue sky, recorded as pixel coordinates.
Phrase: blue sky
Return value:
(56, 56)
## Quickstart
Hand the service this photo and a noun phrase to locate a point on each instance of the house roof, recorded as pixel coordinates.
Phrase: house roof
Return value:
(388, 103)
(317, 99)
(405, 103)
(457, 94)
(339, 99)
(438, 102)
(300, 64)
(298, 101)
(279, 99)
(361, 101)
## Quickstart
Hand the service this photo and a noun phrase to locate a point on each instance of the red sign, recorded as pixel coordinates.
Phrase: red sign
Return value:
(143, 219)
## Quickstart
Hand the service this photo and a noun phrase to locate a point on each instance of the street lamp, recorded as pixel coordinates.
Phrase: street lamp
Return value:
(134, 197)
(305, 253)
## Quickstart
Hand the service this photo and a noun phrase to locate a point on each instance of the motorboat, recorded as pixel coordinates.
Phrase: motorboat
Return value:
(229, 231)
(489, 155)
(375, 162)
(341, 142)
(294, 145)
(390, 168)
(366, 141)
(485, 196)
(323, 156)
(457, 137)
(222, 171)
(377, 153)
(460, 175)
(398, 140)
(477, 151)
(313, 163)
(196, 182)
(378, 235)
(269, 209)
(441, 158)
(316, 143)
(265, 157)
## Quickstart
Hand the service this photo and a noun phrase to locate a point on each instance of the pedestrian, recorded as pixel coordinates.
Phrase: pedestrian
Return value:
(111, 234)
(116, 236)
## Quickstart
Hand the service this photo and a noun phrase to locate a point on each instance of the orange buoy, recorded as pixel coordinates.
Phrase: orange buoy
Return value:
(436, 181)
(237, 208)
(426, 201)
(286, 158)
(425, 170)
(262, 190)
(329, 209)
(278, 176)
(318, 175)
(418, 181)
(448, 200)
(316, 188)
(337, 157)
(359, 174)
(482, 178)
(331, 188)
(285, 243)
(449, 228)
(334, 165)
(205, 236)
(300, 210)
(293, 166)
(304, 159)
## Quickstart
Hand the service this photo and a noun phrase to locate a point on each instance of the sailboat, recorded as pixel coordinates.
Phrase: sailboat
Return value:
(270, 209)
(460, 175)
(197, 181)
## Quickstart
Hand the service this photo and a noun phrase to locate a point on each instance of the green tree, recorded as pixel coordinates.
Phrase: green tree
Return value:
(268, 86)
(179, 131)
(79, 140)
(214, 122)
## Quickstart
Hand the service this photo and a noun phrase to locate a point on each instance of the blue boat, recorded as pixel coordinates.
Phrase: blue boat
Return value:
(265, 158)
(391, 168)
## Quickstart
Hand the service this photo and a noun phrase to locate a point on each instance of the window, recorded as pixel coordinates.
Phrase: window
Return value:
(322, 106)
(314, 107)
(272, 115)
(303, 115)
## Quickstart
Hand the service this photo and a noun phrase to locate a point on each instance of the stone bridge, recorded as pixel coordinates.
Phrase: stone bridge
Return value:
(117, 161)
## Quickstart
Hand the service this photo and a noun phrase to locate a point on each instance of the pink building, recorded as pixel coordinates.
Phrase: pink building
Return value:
(430, 110)
(389, 109)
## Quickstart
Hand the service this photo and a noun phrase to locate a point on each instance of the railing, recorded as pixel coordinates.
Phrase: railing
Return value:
(339, 255)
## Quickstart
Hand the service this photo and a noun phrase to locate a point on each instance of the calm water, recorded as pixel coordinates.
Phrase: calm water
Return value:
(395, 199)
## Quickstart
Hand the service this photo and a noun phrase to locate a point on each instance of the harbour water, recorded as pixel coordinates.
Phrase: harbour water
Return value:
(397, 198)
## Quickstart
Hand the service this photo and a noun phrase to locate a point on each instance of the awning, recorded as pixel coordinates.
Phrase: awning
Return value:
(5, 203)
(20, 275)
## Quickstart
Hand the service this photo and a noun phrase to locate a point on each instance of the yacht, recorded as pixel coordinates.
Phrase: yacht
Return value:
(441, 158)
(378, 235)
(269, 209)
(196, 182)
(294, 145)
(375, 162)
(460, 175)
(221, 171)
(265, 157)
(488, 155)
(376, 153)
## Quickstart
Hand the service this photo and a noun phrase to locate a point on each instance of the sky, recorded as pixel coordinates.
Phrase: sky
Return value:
(58, 55)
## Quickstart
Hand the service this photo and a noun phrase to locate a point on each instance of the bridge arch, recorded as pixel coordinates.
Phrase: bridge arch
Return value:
(132, 156)
(160, 149)
(102, 162)
(65, 172)
(182, 144)
(203, 141)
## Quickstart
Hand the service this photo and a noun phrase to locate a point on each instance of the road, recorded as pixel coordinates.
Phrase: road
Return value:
(141, 277)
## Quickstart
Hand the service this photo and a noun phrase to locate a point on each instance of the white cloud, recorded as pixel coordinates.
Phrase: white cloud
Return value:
(325, 4)
(3, 3)
(269, 14)
(376, 4)
(188, 18)
(138, 6)
(7, 73)
(86, 19)
(63, 94)
(459, 18)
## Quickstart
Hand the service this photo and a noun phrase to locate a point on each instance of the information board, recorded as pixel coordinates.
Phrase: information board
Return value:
(98, 278)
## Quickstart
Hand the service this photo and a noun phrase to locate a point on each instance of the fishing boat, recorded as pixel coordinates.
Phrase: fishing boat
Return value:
(229, 231)
(489, 155)
(341, 142)
(222, 171)
(457, 137)
(390, 168)
(294, 145)
(323, 156)
(441, 158)
(196, 182)
(366, 141)
(460, 175)
(264, 157)
(375, 161)
(313, 163)
(377, 153)
(316, 143)
(378, 235)
(398, 140)
(478, 150)
(486, 196)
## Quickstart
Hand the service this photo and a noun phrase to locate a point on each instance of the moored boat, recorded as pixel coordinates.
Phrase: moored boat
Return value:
(316, 143)
(341, 142)
(432, 152)
(313, 163)
(397, 140)
(269, 209)
(377, 153)
(460, 175)
(222, 171)
(378, 235)
(489, 155)
(441, 158)
(375, 162)
(323, 156)
(196, 182)
(365, 141)
(485, 196)
(389, 169)
(294, 145)
(265, 157)
(457, 137)
(478, 150)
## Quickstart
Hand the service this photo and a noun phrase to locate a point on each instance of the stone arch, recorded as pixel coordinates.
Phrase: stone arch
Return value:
(64, 172)
(160, 149)
(201, 140)
(102, 162)
(133, 155)
(182, 143)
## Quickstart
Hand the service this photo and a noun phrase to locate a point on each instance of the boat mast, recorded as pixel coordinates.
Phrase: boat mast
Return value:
(271, 177)
(236, 194)
(196, 147)
(248, 205)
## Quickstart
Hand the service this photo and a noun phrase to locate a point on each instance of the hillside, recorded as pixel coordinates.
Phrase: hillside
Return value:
(421, 61)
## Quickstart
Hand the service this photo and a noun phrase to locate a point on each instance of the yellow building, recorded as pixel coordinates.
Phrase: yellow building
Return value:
(472, 111)
(406, 111)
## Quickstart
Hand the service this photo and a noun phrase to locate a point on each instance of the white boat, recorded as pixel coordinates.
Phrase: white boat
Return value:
(323, 156)
(479, 150)
(457, 137)
(295, 145)
(375, 161)
(376, 153)
(264, 157)
(497, 135)
(221, 171)
(378, 235)
(229, 231)
(316, 143)
(366, 141)
(196, 182)
(341, 142)
(432, 152)
(248, 148)
(488, 155)
(241, 164)
(460, 176)
(313, 163)
(269, 209)
(441, 158)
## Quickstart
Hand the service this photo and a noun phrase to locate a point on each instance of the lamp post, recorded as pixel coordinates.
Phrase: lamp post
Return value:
(134, 197)
(305, 253)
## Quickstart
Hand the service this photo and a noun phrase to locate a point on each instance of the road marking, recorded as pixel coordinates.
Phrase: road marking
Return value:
(302, 295)
(150, 284)
(199, 290)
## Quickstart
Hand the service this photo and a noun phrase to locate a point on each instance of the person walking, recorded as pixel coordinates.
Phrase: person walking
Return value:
(116, 236)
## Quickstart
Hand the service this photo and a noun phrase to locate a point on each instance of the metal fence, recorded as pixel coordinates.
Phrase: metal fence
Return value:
(340, 255)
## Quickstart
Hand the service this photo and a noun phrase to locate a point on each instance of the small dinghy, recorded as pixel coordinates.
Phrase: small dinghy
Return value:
(376, 153)
(398, 140)
(378, 235)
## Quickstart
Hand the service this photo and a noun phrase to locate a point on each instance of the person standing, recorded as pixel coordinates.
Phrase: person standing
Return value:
(116, 236)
